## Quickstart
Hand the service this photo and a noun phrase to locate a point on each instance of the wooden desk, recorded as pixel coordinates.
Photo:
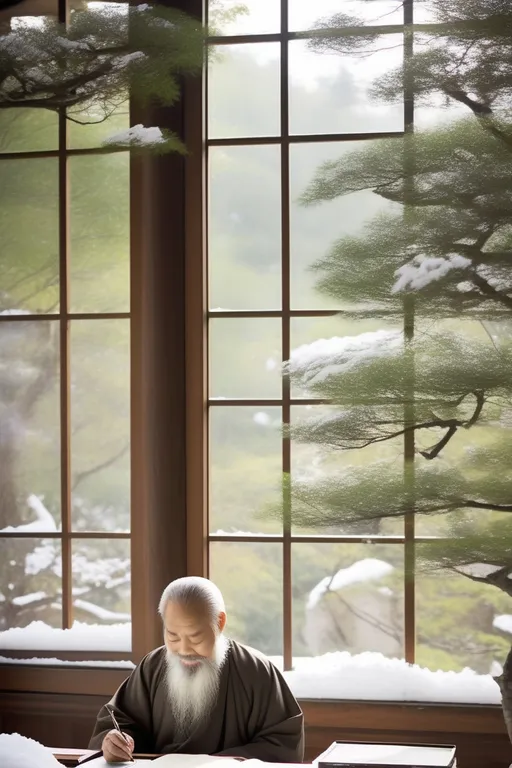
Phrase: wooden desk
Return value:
(69, 757)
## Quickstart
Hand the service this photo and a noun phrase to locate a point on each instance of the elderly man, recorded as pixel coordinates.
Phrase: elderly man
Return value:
(201, 693)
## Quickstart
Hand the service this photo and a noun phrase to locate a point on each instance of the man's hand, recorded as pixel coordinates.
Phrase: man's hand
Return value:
(117, 748)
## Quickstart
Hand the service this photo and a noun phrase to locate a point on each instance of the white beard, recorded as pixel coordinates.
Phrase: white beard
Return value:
(193, 692)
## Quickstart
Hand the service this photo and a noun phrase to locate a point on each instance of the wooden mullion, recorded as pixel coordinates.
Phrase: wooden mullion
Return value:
(409, 321)
(303, 138)
(285, 332)
(65, 419)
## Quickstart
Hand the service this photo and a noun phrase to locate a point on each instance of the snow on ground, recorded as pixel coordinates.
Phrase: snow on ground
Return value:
(38, 636)
(364, 570)
(37, 661)
(363, 677)
(373, 677)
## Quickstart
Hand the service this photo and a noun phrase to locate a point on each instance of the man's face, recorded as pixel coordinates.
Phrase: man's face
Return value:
(189, 634)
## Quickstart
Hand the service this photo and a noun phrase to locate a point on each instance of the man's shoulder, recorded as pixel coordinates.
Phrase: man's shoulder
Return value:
(153, 661)
(244, 655)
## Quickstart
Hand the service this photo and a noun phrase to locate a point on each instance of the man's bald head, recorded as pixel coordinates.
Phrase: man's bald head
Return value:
(194, 594)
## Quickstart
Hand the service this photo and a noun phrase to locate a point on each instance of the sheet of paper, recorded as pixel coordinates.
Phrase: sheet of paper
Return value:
(100, 762)
(195, 761)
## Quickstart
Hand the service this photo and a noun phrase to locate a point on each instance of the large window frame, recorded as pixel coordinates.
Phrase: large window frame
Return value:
(198, 459)
(169, 344)
(65, 317)
(157, 390)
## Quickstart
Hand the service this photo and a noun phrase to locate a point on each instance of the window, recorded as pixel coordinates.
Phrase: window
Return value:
(64, 383)
(280, 108)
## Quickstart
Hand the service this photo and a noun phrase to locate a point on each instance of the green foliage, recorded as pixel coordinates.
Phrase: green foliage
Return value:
(445, 250)
(101, 56)
(457, 206)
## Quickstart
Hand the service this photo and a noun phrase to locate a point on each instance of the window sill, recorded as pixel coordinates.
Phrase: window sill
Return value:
(62, 678)
(325, 714)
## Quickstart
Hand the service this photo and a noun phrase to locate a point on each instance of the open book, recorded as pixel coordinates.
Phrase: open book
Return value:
(179, 761)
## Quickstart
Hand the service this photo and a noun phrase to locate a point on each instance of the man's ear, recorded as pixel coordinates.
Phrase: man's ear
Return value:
(222, 621)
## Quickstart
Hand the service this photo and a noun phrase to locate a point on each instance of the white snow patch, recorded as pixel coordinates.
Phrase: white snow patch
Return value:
(261, 418)
(13, 311)
(101, 613)
(32, 597)
(41, 558)
(44, 522)
(124, 61)
(423, 270)
(369, 569)
(478, 570)
(221, 532)
(503, 623)
(373, 677)
(81, 637)
(19, 752)
(38, 661)
(496, 668)
(138, 136)
(316, 361)
(72, 45)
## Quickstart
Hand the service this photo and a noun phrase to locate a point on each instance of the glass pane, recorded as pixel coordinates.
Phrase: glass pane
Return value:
(30, 585)
(245, 469)
(30, 13)
(256, 17)
(303, 15)
(436, 110)
(100, 421)
(28, 130)
(245, 227)
(460, 622)
(245, 358)
(100, 254)
(29, 236)
(243, 91)
(250, 578)
(315, 228)
(467, 464)
(101, 594)
(331, 93)
(347, 598)
(96, 125)
(29, 426)
(333, 491)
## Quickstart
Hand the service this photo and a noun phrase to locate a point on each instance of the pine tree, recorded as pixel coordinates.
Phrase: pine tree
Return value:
(436, 270)
(102, 55)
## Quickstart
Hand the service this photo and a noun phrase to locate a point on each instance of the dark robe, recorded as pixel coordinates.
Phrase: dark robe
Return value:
(255, 715)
